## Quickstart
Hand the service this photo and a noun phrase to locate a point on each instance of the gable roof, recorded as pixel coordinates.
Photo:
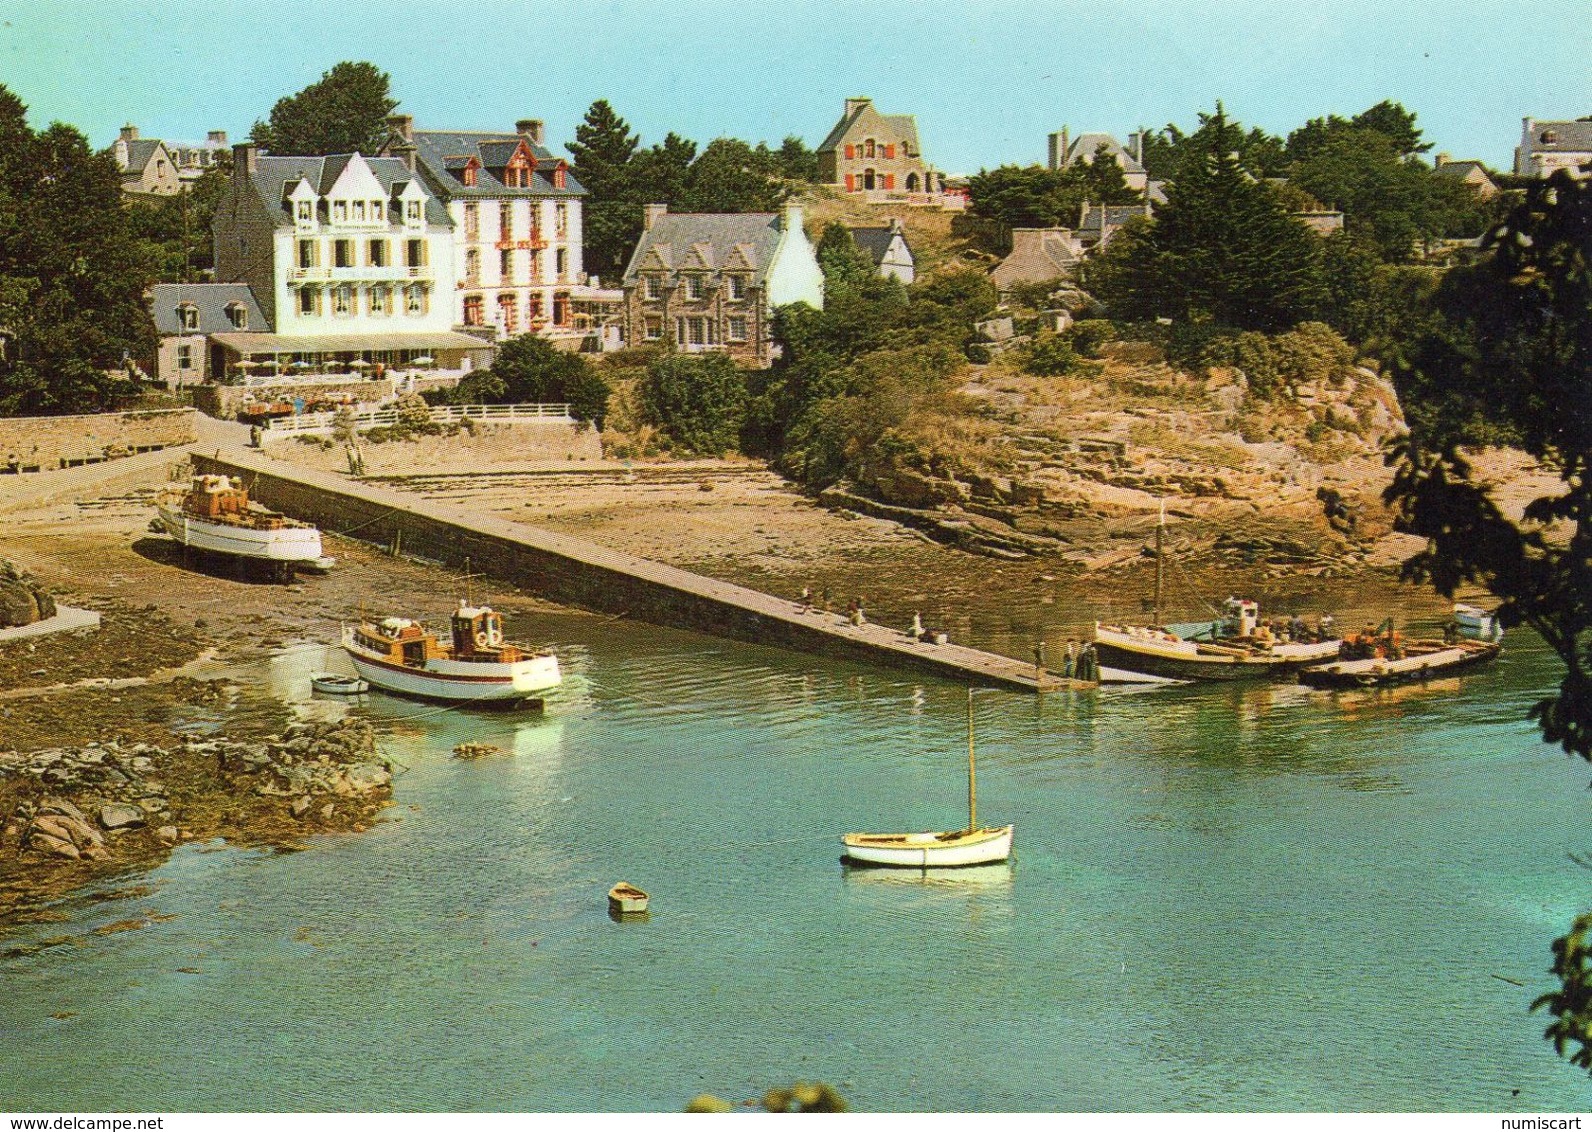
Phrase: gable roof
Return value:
(875, 242)
(1568, 137)
(441, 153)
(272, 175)
(903, 126)
(211, 300)
(1461, 169)
(683, 239)
(1037, 256)
(139, 154)
(1084, 146)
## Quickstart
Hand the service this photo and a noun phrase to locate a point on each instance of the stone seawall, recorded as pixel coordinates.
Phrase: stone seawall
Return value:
(580, 573)
(43, 444)
(489, 444)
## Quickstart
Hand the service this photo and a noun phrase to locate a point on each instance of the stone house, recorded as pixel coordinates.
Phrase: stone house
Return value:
(1547, 146)
(1065, 150)
(1472, 174)
(888, 249)
(187, 314)
(152, 167)
(872, 152)
(701, 282)
(516, 213)
(351, 260)
(1038, 255)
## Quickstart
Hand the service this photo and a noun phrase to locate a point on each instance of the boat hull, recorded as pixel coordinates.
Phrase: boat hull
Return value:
(1378, 672)
(285, 544)
(1475, 622)
(929, 850)
(1182, 660)
(457, 681)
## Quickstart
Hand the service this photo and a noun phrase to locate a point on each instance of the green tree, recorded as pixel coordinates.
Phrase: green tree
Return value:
(178, 227)
(72, 274)
(1511, 352)
(797, 162)
(1384, 196)
(845, 265)
(1222, 247)
(345, 112)
(698, 400)
(603, 149)
(732, 176)
(529, 369)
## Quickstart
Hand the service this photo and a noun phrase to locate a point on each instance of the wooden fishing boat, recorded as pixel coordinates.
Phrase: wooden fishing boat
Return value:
(474, 665)
(626, 899)
(1473, 621)
(1421, 660)
(952, 849)
(216, 515)
(1234, 648)
(335, 684)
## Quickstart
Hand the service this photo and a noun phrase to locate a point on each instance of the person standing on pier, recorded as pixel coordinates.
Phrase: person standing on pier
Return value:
(807, 599)
(916, 631)
(1069, 662)
(1039, 660)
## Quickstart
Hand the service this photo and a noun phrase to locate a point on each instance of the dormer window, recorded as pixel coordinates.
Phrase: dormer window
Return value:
(359, 212)
(340, 211)
(187, 316)
(238, 315)
(469, 176)
(306, 211)
(376, 211)
(412, 211)
(1549, 137)
(654, 286)
(559, 176)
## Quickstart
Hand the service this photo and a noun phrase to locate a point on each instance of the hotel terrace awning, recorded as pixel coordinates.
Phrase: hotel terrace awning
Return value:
(248, 344)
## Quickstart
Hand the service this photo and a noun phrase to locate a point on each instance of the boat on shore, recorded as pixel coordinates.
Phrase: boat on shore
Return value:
(627, 900)
(216, 515)
(1414, 661)
(473, 665)
(1237, 647)
(951, 849)
(336, 684)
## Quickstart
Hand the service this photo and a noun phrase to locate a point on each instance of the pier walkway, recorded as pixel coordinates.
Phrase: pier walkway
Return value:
(577, 572)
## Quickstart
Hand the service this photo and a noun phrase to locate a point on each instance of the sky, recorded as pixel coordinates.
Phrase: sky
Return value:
(987, 79)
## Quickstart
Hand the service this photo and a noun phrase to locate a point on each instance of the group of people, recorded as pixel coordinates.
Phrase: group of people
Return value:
(1294, 629)
(1078, 662)
(856, 616)
(1374, 641)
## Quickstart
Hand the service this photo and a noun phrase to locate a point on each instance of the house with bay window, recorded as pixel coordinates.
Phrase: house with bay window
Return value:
(712, 281)
(869, 152)
(351, 261)
(516, 213)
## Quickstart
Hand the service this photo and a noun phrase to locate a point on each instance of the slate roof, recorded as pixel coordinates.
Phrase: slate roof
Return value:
(1460, 168)
(875, 241)
(139, 153)
(443, 152)
(1083, 148)
(1095, 216)
(272, 175)
(905, 127)
(1037, 256)
(689, 238)
(211, 299)
(1569, 137)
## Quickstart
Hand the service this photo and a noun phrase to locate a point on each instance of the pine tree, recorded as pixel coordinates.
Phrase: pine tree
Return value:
(603, 149)
(345, 112)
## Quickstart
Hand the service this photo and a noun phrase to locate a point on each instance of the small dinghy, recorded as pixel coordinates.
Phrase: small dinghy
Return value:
(626, 899)
(334, 684)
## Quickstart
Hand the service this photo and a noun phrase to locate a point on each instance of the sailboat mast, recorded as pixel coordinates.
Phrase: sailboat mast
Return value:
(1160, 561)
(972, 780)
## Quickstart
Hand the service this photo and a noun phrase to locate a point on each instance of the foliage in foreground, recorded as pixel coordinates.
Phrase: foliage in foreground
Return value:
(1509, 352)
(529, 369)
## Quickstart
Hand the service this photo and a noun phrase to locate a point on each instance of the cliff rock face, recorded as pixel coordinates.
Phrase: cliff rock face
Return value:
(22, 599)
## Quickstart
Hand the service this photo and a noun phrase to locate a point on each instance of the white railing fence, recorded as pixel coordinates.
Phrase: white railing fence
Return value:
(310, 424)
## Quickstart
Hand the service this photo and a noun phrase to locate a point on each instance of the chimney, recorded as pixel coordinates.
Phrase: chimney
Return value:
(404, 152)
(130, 132)
(246, 158)
(1136, 141)
(217, 139)
(1057, 149)
(650, 214)
(530, 129)
(402, 126)
(1440, 161)
(855, 104)
(792, 221)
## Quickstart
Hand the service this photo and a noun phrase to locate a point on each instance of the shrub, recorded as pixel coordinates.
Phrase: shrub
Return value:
(1049, 355)
(698, 400)
(1089, 334)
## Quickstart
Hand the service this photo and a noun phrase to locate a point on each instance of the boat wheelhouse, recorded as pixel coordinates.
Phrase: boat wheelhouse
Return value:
(473, 664)
(215, 514)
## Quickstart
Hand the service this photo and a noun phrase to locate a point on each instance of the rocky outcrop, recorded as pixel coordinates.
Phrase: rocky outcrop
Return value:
(23, 600)
(312, 761)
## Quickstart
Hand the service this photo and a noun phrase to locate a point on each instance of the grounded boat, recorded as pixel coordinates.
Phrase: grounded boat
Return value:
(947, 850)
(1411, 662)
(475, 665)
(1473, 621)
(215, 515)
(335, 684)
(1237, 647)
(626, 899)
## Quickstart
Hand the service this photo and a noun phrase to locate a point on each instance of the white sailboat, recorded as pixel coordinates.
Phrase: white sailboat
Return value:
(959, 848)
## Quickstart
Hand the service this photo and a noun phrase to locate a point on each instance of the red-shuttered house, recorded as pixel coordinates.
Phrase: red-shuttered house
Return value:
(870, 152)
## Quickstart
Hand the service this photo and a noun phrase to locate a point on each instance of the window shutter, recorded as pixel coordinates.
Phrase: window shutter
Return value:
(851, 180)
(889, 152)
(889, 181)
(851, 151)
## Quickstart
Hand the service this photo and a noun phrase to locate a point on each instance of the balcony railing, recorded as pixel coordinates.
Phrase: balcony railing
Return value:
(312, 423)
(536, 243)
(388, 273)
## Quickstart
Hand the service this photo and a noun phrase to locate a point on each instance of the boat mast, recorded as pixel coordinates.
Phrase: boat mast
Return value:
(1160, 561)
(972, 780)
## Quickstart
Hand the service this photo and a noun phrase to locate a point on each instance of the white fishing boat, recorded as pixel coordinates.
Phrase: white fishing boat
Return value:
(474, 665)
(1473, 621)
(336, 684)
(1414, 661)
(215, 515)
(960, 848)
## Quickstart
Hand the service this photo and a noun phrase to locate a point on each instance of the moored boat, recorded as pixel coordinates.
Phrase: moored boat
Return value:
(336, 684)
(1238, 647)
(1414, 661)
(474, 665)
(951, 849)
(1473, 621)
(626, 899)
(216, 515)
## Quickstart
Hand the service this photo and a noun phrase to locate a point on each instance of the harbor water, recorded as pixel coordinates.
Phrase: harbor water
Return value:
(1250, 898)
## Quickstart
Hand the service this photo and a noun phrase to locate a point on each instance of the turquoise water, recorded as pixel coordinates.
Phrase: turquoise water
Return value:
(1224, 898)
